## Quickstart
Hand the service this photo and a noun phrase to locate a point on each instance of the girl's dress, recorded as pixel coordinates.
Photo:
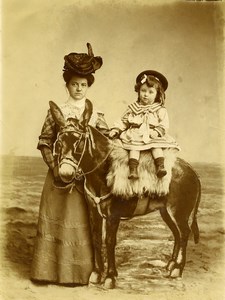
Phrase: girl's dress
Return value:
(63, 249)
(136, 124)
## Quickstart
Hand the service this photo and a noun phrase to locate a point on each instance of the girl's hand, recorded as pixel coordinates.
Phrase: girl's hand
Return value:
(113, 133)
(153, 134)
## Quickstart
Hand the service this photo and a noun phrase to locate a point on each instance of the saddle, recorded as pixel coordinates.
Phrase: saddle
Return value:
(147, 183)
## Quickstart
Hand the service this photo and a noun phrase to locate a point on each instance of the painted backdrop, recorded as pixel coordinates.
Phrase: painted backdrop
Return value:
(181, 39)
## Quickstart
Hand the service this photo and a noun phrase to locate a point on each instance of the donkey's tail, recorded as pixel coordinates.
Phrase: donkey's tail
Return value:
(194, 225)
(195, 230)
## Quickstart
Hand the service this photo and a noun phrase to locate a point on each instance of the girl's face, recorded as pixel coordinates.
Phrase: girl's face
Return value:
(77, 87)
(147, 94)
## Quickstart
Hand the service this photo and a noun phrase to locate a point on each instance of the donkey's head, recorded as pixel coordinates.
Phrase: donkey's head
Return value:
(70, 143)
(81, 149)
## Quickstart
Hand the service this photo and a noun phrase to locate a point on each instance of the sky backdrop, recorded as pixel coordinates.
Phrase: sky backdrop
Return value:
(181, 39)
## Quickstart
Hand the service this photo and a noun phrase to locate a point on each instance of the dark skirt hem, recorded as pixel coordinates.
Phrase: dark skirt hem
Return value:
(66, 284)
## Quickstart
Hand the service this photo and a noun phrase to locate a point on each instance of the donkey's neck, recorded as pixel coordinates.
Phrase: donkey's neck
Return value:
(96, 152)
(96, 180)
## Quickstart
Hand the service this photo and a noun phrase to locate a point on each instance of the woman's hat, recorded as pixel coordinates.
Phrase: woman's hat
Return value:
(158, 76)
(82, 63)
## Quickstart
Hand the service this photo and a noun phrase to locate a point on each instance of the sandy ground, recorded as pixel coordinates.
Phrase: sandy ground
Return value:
(143, 247)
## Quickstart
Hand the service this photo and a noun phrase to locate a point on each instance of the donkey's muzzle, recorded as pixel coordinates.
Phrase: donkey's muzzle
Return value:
(66, 172)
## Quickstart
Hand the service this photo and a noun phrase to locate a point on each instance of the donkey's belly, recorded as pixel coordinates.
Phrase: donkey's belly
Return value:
(142, 206)
(146, 205)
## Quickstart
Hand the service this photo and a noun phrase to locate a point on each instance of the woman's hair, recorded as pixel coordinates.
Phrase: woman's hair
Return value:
(68, 74)
(152, 81)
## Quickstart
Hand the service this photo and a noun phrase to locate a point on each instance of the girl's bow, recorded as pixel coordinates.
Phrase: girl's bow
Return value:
(144, 79)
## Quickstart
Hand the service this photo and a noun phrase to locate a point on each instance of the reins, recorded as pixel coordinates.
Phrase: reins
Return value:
(68, 187)
(87, 136)
(98, 165)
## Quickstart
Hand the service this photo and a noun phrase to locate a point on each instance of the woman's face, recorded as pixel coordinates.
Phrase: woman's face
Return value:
(77, 87)
(147, 94)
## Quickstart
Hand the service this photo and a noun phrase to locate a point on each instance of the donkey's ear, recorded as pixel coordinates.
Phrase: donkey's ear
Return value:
(57, 114)
(85, 118)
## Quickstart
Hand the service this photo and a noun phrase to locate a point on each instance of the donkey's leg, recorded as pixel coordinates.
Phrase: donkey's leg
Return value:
(177, 240)
(96, 229)
(184, 229)
(112, 224)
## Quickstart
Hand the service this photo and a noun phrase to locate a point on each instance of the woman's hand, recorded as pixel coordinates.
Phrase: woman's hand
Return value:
(113, 133)
(153, 134)
(56, 173)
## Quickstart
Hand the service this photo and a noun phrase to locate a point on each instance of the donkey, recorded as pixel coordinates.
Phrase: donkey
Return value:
(85, 152)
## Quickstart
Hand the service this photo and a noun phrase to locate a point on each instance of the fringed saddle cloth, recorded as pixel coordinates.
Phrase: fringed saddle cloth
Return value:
(148, 182)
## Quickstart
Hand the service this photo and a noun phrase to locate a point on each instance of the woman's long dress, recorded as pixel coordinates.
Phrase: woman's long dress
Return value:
(63, 248)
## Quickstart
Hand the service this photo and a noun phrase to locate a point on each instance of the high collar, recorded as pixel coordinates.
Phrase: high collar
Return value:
(76, 103)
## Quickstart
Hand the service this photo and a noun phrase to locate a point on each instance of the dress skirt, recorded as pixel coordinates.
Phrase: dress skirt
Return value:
(137, 139)
(63, 251)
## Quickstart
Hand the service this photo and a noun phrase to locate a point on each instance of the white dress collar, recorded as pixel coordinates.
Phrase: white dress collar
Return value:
(76, 103)
(72, 108)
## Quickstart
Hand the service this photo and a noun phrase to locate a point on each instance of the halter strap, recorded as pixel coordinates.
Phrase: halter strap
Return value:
(97, 200)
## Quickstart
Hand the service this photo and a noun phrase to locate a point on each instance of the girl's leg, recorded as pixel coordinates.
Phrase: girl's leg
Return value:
(157, 152)
(134, 156)
(158, 156)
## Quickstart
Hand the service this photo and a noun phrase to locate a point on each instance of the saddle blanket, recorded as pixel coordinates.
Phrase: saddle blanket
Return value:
(147, 183)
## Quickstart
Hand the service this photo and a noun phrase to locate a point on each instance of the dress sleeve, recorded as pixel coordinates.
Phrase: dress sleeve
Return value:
(47, 139)
(101, 124)
(123, 123)
(48, 133)
(163, 124)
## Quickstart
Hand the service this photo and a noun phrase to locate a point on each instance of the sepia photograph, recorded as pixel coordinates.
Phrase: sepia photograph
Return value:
(112, 150)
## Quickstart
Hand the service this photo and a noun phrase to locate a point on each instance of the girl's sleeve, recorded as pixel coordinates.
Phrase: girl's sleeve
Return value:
(47, 139)
(123, 123)
(163, 124)
(101, 124)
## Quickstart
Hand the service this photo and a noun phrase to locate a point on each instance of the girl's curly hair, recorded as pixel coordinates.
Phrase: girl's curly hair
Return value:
(152, 81)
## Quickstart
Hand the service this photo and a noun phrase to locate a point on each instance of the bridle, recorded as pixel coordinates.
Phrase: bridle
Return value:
(89, 144)
(88, 140)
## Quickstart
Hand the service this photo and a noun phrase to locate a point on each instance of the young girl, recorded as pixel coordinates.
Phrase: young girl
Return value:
(145, 123)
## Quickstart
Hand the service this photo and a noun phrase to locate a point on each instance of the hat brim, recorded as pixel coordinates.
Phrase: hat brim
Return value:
(156, 74)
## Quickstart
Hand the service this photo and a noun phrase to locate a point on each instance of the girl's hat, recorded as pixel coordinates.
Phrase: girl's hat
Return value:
(158, 76)
(82, 63)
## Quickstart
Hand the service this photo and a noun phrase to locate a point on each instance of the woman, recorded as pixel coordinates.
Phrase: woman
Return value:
(63, 248)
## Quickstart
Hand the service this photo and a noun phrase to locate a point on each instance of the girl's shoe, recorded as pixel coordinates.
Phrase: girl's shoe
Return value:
(160, 169)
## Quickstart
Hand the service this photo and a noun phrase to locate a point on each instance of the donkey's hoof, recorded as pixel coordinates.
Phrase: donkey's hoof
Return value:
(170, 265)
(175, 273)
(110, 283)
(95, 278)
